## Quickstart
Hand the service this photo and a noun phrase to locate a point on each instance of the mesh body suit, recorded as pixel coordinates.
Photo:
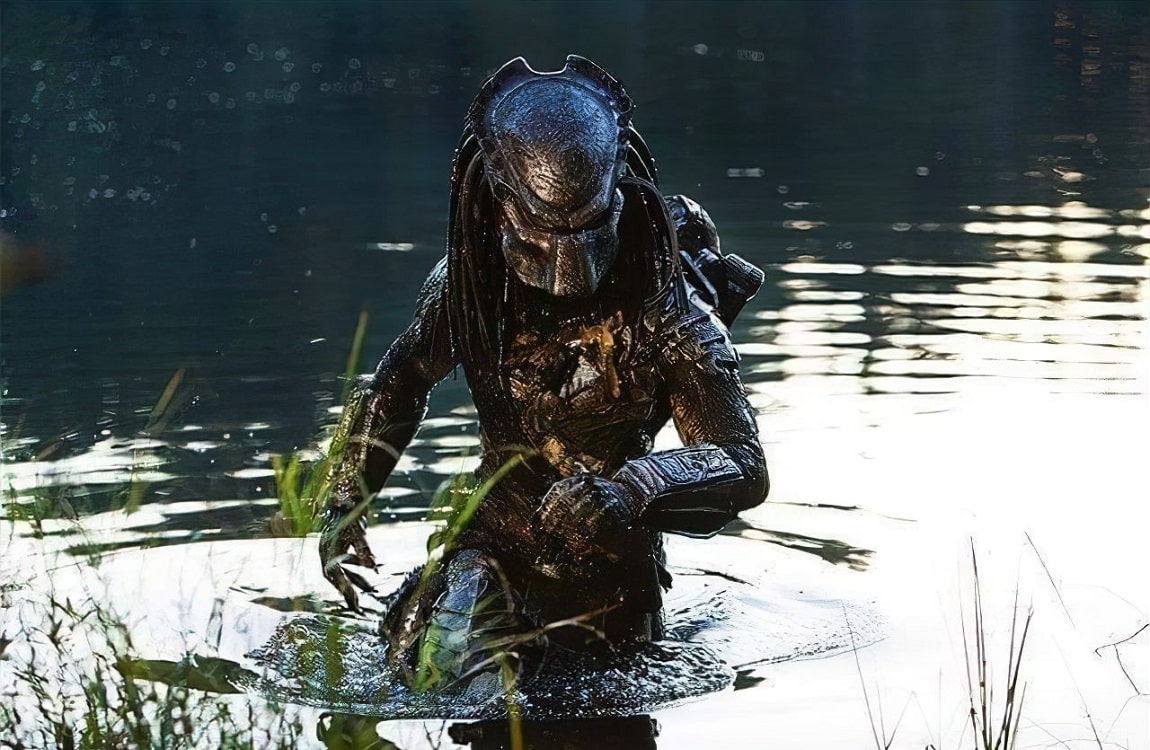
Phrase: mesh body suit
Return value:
(586, 310)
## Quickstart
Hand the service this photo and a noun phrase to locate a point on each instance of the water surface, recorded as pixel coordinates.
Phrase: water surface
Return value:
(950, 202)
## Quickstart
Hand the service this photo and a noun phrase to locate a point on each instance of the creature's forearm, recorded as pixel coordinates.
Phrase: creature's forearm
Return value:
(383, 410)
(377, 425)
(695, 490)
(698, 489)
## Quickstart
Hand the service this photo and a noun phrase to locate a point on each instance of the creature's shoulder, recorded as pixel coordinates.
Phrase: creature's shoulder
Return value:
(674, 333)
(722, 283)
(433, 293)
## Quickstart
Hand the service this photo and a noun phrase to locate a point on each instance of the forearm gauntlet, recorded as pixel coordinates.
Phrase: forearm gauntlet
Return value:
(377, 424)
(693, 491)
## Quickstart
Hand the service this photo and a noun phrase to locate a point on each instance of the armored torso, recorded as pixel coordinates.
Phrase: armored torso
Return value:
(583, 390)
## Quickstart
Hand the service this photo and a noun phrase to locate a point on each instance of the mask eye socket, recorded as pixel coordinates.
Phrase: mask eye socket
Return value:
(510, 210)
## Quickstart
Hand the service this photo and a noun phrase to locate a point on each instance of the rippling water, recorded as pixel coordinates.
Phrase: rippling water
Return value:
(950, 202)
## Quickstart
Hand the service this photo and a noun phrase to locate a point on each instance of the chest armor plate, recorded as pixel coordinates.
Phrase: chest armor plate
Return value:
(583, 393)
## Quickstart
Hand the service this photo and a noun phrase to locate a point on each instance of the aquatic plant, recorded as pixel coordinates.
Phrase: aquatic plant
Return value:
(455, 505)
(302, 488)
(994, 709)
(882, 741)
(37, 504)
(302, 482)
(995, 726)
(71, 680)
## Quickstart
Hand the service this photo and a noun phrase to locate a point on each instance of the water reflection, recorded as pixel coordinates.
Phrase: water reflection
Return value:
(630, 733)
(1033, 311)
(339, 731)
(833, 551)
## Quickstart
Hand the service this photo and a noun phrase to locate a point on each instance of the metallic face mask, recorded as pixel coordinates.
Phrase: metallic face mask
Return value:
(554, 147)
(565, 264)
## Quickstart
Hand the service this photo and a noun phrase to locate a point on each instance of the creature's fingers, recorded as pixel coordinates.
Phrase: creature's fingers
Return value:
(358, 560)
(360, 581)
(585, 515)
(336, 576)
(363, 553)
(556, 516)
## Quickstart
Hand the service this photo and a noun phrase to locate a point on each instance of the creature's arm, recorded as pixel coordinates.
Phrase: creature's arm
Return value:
(698, 489)
(695, 490)
(382, 414)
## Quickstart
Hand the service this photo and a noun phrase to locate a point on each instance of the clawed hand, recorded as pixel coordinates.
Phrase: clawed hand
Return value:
(343, 532)
(577, 516)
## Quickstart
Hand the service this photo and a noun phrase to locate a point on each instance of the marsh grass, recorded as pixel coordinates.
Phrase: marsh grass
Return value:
(38, 504)
(69, 673)
(302, 488)
(994, 705)
(455, 506)
(303, 484)
(994, 719)
(882, 741)
(70, 679)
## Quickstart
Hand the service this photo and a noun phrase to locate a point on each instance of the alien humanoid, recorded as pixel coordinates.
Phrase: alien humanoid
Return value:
(585, 310)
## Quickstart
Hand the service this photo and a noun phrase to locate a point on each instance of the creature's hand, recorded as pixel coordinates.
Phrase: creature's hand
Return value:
(344, 530)
(580, 516)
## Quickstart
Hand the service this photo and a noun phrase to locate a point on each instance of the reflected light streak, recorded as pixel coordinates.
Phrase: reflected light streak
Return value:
(956, 299)
(453, 465)
(451, 441)
(801, 283)
(1070, 210)
(1048, 316)
(1046, 327)
(1079, 250)
(1028, 290)
(1070, 229)
(822, 338)
(1004, 368)
(1062, 269)
(825, 295)
(907, 269)
(1004, 349)
(972, 385)
(756, 349)
(1018, 269)
(822, 268)
(847, 364)
(843, 312)
(106, 462)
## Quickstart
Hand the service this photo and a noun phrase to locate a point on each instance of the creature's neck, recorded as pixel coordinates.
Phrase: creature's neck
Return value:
(544, 313)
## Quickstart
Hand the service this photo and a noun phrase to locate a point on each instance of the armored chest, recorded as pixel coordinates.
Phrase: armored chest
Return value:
(583, 393)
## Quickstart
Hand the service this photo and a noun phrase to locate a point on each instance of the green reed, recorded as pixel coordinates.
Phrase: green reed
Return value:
(303, 484)
(71, 680)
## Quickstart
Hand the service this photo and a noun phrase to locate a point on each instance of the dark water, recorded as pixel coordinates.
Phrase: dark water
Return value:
(949, 199)
(220, 188)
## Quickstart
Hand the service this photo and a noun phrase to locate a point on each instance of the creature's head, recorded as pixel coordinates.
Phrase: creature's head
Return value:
(555, 146)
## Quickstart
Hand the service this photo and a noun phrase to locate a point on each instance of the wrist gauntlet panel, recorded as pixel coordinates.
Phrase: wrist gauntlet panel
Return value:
(690, 491)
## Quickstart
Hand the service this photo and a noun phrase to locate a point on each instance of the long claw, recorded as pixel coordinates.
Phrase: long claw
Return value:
(359, 561)
(363, 553)
(360, 581)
